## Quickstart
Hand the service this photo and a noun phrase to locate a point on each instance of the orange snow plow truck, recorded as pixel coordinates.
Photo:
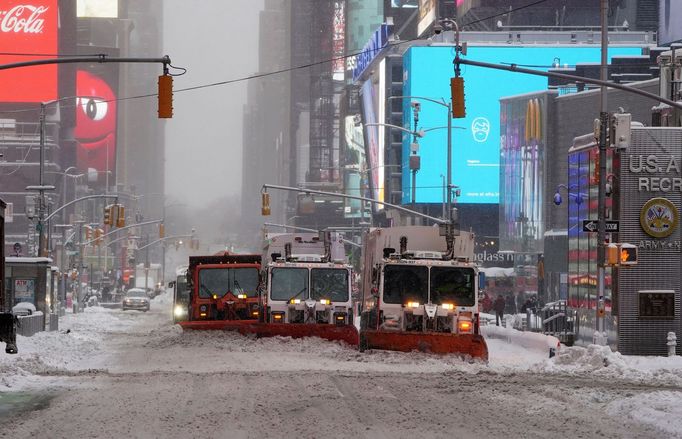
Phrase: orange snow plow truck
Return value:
(420, 292)
(224, 291)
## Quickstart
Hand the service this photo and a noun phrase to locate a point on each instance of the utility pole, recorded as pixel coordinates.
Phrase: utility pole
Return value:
(41, 188)
(599, 336)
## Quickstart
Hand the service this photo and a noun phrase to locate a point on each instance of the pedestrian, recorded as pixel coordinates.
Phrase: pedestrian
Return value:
(498, 306)
(510, 307)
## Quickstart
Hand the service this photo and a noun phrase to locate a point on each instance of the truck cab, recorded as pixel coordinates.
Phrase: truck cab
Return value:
(307, 280)
(224, 287)
(420, 292)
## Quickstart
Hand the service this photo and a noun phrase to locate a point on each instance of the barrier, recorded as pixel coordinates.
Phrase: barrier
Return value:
(31, 324)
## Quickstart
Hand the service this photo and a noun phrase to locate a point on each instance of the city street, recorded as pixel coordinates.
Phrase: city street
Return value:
(133, 374)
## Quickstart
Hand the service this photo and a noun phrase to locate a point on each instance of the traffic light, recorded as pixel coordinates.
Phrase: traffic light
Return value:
(457, 92)
(621, 255)
(162, 230)
(265, 207)
(165, 97)
(88, 233)
(612, 254)
(120, 215)
(98, 236)
(108, 215)
(628, 254)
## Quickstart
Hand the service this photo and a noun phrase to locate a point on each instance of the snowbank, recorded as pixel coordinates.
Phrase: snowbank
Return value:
(529, 340)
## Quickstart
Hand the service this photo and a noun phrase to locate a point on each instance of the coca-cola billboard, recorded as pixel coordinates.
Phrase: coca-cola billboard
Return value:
(28, 31)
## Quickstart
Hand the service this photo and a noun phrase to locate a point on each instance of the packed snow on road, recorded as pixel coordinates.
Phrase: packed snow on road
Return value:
(110, 373)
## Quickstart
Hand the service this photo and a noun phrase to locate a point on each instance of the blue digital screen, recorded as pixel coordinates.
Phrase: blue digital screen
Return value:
(475, 138)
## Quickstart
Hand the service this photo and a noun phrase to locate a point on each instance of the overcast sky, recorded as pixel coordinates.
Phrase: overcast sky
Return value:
(216, 40)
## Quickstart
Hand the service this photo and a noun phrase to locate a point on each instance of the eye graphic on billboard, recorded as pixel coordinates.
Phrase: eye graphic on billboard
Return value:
(475, 138)
(28, 27)
(95, 125)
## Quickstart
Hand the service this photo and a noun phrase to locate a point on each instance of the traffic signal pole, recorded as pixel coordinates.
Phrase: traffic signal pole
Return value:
(599, 336)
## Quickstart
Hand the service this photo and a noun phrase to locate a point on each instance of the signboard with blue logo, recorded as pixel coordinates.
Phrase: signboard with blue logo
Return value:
(476, 138)
(378, 41)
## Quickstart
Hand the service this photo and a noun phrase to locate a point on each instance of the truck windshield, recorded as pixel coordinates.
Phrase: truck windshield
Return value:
(289, 283)
(329, 283)
(405, 283)
(453, 285)
(182, 293)
(219, 281)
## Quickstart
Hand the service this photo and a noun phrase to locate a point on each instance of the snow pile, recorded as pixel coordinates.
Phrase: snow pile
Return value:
(529, 340)
(165, 298)
(661, 409)
(601, 361)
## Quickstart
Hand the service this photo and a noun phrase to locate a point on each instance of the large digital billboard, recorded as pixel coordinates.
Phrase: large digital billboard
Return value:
(28, 27)
(475, 138)
(373, 96)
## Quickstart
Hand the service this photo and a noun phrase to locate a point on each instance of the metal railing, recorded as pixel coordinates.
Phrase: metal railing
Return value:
(559, 321)
(31, 324)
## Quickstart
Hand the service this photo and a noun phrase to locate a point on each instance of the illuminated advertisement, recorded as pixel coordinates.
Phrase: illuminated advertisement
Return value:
(95, 126)
(28, 26)
(355, 169)
(475, 138)
(522, 163)
(669, 22)
(427, 15)
(373, 96)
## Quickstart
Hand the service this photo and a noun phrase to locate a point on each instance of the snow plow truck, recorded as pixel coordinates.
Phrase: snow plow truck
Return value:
(224, 291)
(420, 292)
(307, 287)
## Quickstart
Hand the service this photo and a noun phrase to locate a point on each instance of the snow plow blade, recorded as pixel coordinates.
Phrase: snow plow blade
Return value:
(217, 325)
(473, 345)
(347, 333)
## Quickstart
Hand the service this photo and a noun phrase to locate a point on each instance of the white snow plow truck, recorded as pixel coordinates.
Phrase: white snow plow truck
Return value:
(420, 292)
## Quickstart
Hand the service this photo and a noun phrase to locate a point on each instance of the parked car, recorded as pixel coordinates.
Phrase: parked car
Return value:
(136, 298)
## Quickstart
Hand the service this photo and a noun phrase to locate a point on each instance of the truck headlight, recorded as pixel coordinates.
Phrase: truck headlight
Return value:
(412, 304)
(179, 311)
(278, 317)
(325, 301)
(241, 296)
(295, 301)
(449, 306)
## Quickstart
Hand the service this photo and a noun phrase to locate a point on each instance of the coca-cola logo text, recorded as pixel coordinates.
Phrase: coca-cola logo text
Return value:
(23, 18)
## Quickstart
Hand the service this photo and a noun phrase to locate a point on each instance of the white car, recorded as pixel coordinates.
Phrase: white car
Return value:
(135, 298)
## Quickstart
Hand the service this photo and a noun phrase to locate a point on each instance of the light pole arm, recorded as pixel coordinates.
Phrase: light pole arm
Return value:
(414, 133)
(354, 197)
(87, 197)
(102, 58)
(515, 68)
(163, 239)
(118, 229)
(420, 97)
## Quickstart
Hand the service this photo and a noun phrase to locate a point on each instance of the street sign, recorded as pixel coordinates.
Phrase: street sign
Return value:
(593, 226)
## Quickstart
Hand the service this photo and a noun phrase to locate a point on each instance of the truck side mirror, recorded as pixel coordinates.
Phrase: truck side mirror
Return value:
(481, 280)
(171, 284)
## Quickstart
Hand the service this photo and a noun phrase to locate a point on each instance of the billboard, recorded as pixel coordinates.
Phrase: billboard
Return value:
(28, 27)
(428, 13)
(373, 97)
(95, 130)
(669, 22)
(475, 138)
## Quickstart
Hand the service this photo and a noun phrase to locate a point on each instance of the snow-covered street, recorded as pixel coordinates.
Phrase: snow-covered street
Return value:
(134, 374)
